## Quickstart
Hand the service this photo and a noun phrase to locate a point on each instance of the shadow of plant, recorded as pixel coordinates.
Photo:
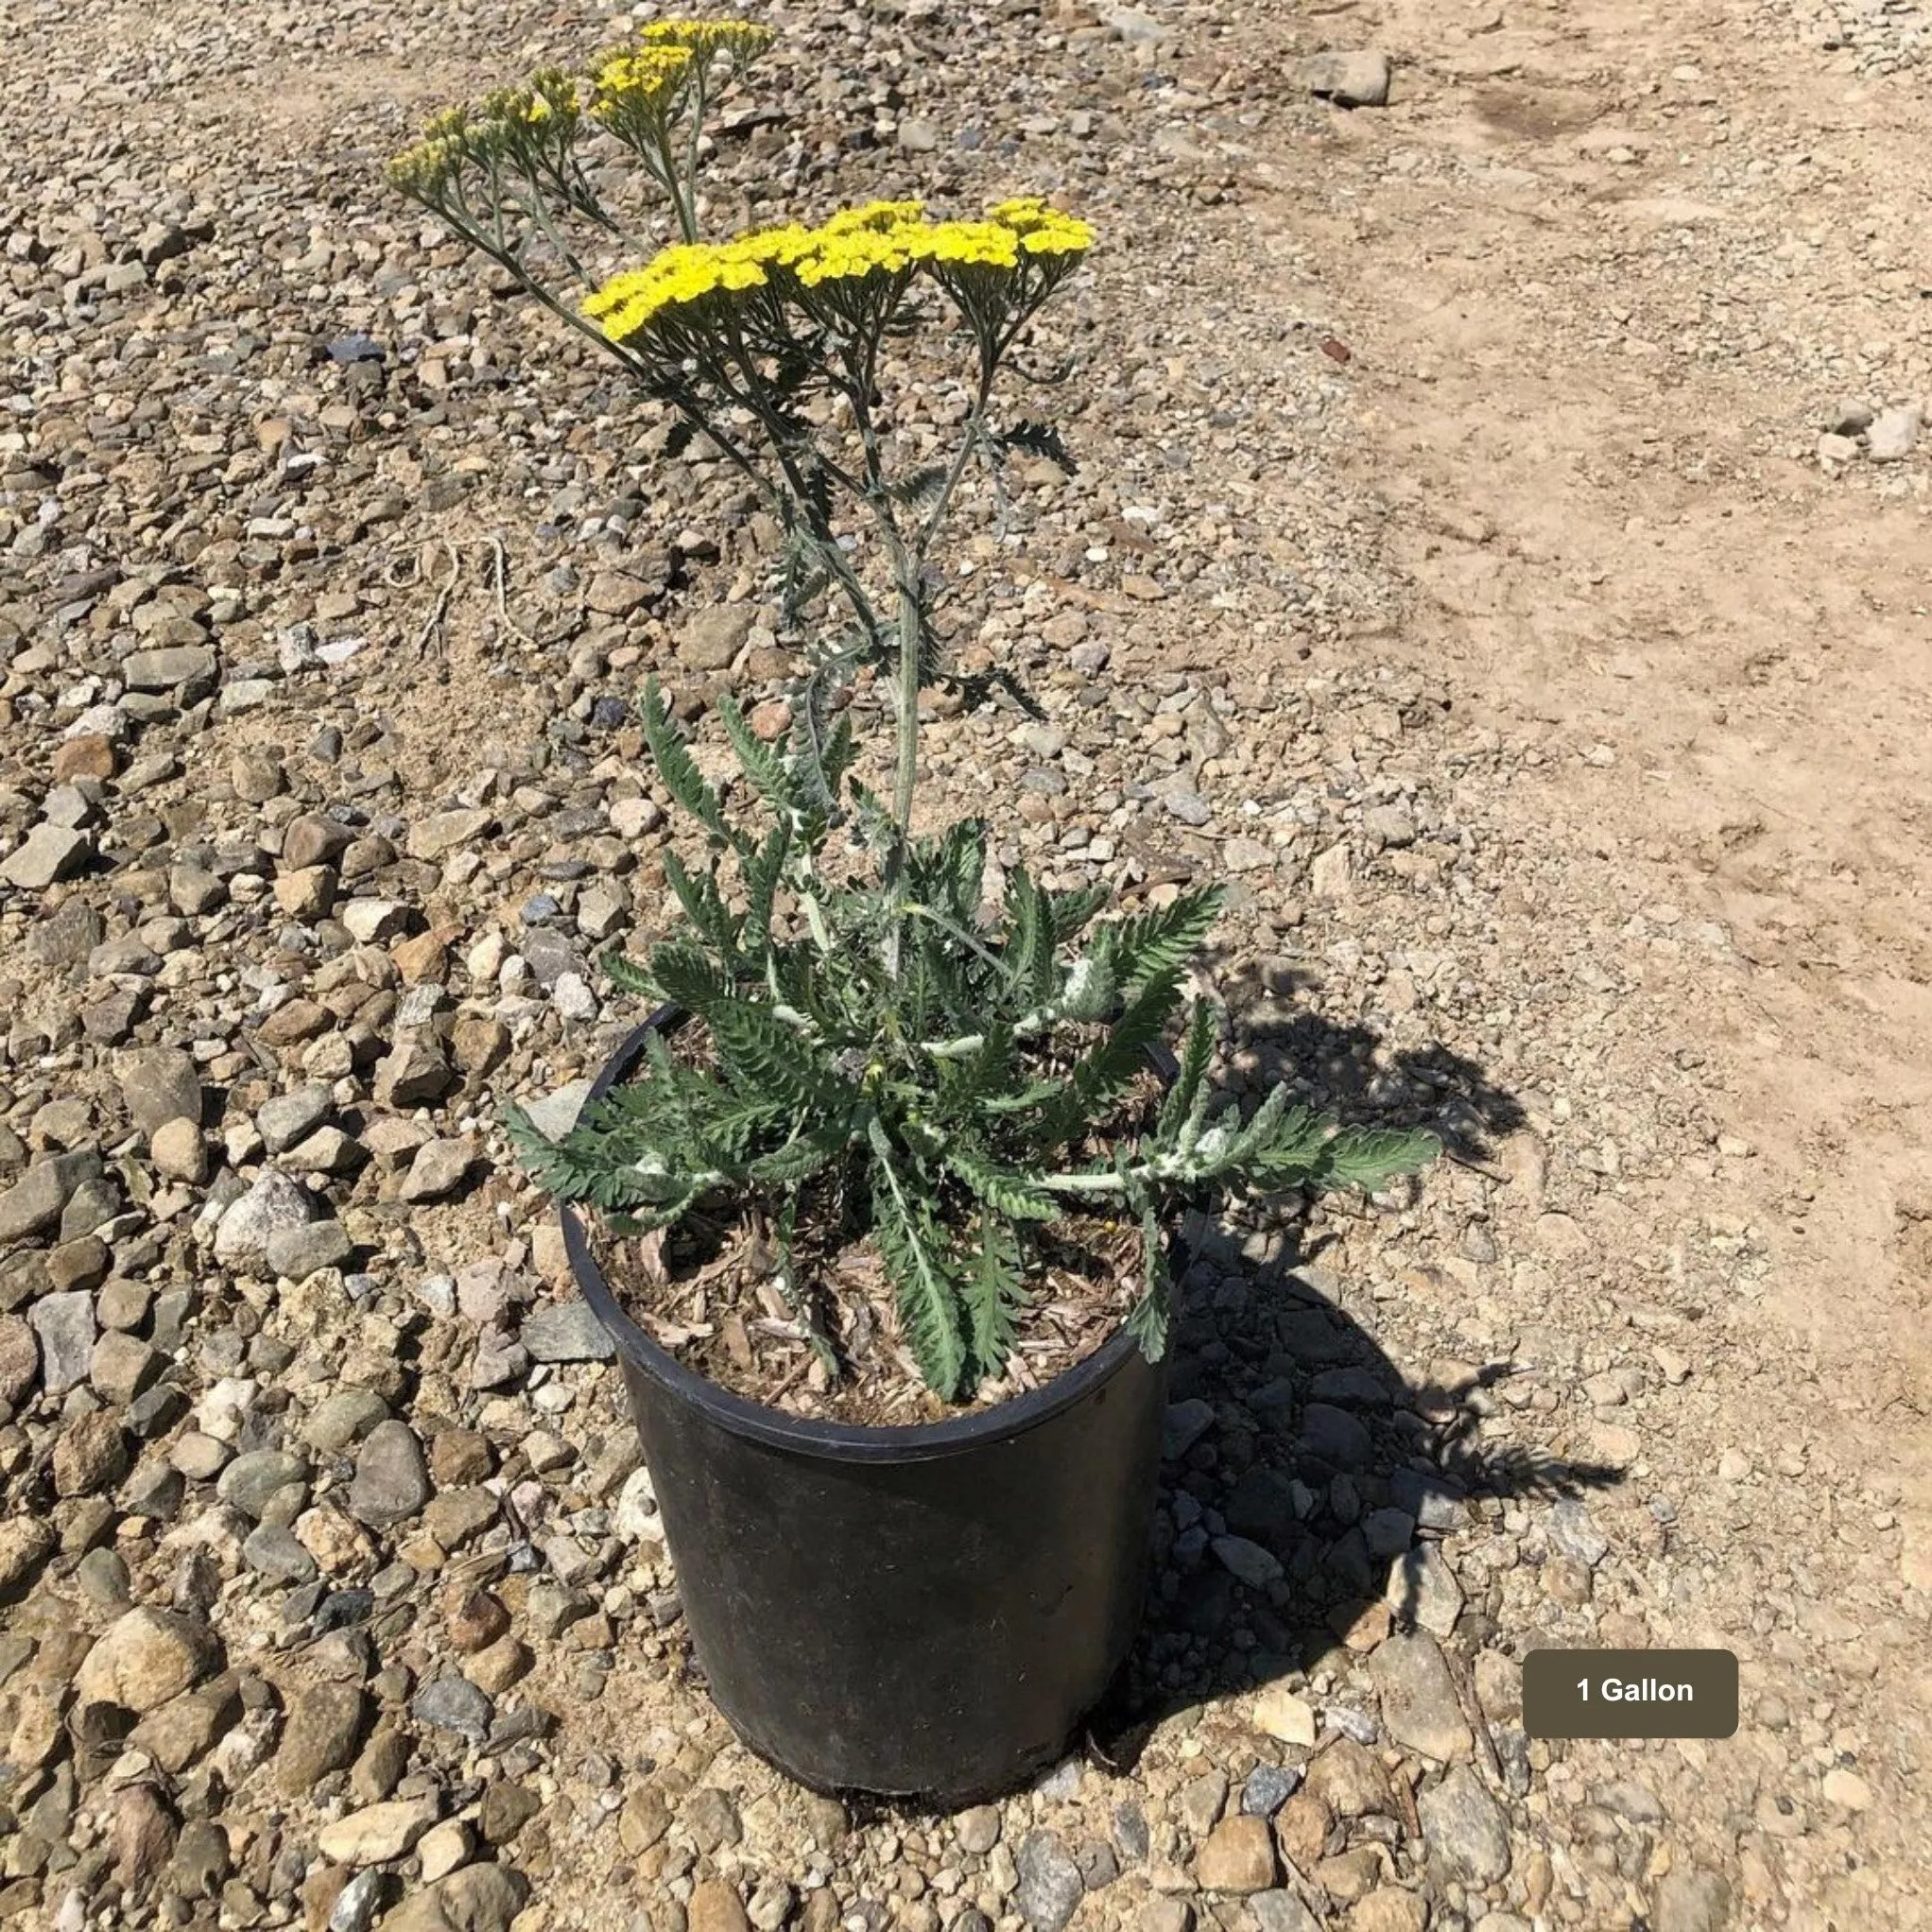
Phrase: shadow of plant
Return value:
(1314, 1449)
(1350, 1068)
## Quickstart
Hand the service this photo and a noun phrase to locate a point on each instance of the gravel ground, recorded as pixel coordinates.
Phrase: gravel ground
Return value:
(331, 1588)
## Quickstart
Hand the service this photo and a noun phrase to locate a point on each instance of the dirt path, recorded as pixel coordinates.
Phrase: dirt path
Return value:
(1606, 272)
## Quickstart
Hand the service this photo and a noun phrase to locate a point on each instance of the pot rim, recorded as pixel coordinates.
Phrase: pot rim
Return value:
(844, 1441)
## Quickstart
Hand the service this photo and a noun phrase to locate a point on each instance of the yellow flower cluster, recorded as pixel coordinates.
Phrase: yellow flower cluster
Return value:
(878, 244)
(519, 125)
(640, 82)
(741, 39)
(680, 278)
(1043, 230)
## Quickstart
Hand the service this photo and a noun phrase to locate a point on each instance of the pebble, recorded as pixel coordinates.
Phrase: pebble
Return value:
(1422, 1590)
(146, 1657)
(566, 1331)
(1350, 81)
(1282, 1714)
(451, 1704)
(1464, 1827)
(391, 1480)
(1893, 435)
(1419, 1707)
(1267, 1788)
(378, 1832)
(1237, 1857)
(716, 1908)
(1050, 1883)
(273, 1205)
(47, 854)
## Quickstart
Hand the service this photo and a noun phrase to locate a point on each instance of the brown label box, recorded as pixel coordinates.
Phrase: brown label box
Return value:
(1630, 1694)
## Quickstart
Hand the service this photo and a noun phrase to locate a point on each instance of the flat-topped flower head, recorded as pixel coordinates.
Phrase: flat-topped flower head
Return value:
(877, 215)
(527, 127)
(742, 40)
(644, 82)
(689, 282)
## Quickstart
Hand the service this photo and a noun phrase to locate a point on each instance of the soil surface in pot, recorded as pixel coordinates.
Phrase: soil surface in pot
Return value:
(709, 1293)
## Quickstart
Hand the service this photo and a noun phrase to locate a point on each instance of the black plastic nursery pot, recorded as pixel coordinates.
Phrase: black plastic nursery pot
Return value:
(922, 1611)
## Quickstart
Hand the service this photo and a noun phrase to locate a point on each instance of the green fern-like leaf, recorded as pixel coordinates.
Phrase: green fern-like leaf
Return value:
(1165, 940)
(679, 770)
(762, 1055)
(994, 1293)
(760, 763)
(687, 976)
(1371, 1158)
(1190, 1080)
(1073, 912)
(627, 974)
(703, 905)
(1008, 1191)
(913, 1248)
(1147, 1320)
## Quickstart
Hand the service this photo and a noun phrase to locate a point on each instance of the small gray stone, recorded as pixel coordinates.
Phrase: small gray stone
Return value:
(355, 1905)
(1691, 1900)
(1464, 1827)
(47, 855)
(64, 1325)
(288, 1117)
(555, 1114)
(1188, 806)
(566, 1332)
(1388, 1531)
(1333, 1436)
(343, 1418)
(250, 1481)
(1419, 1707)
(392, 1479)
(454, 1703)
(1350, 81)
(1268, 1787)
(1183, 1425)
(443, 833)
(1050, 1882)
(1247, 1563)
(299, 1252)
(1893, 433)
(1134, 28)
(712, 637)
(1423, 1588)
(160, 1084)
(192, 664)
(36, 1201)
(440, 1168)
(1388, 826)
(277, 1553)
(274, 1203)
(1282, 1911)
(1574, 1532)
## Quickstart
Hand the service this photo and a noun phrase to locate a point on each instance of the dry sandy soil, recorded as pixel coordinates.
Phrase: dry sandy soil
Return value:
(1496, 498)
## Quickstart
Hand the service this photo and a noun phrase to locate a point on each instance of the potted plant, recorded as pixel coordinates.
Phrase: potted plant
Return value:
(875, 1206)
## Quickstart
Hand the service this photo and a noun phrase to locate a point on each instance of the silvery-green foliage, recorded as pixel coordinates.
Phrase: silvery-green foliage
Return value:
(952, 1071)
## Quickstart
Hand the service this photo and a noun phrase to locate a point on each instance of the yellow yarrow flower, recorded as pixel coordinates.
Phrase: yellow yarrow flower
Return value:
(878, 246)
(627, 83)
(743, 40)
(874, 215)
